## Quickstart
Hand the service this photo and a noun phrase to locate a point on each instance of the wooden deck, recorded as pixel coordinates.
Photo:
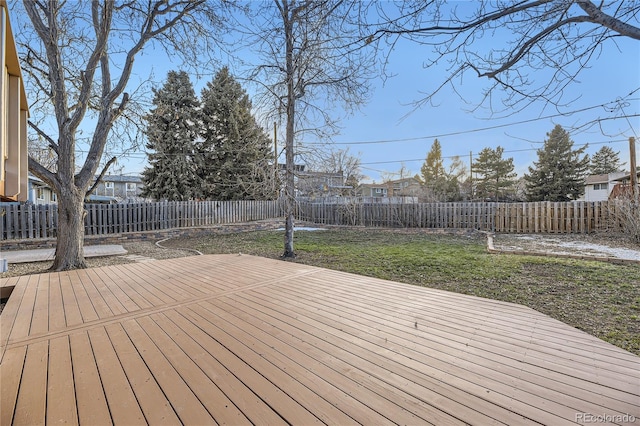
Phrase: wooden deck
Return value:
(238, 339)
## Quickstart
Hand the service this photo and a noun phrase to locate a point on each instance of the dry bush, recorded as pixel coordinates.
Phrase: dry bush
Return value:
(624, 213)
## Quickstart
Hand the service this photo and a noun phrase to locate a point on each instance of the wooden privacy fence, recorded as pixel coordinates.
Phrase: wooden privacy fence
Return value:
(19, 221)
(538, 217)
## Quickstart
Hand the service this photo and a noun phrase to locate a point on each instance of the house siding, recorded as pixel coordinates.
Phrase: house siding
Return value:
(13, 116)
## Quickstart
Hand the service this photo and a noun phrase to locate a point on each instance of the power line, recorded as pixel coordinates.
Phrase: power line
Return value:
(611, 105)
(464, 155)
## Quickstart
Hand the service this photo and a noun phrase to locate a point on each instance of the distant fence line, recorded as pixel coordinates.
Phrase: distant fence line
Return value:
(534, 217)
(22, 221)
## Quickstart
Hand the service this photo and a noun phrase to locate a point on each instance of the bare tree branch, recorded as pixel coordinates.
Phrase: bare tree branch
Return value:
(101, 175)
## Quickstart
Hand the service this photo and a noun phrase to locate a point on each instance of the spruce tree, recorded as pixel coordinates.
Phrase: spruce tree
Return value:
(172, 129)
(559, 173)
(605, 161)
(495, 174)
(234, 151)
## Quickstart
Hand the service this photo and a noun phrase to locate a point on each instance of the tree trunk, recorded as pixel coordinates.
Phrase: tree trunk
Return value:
(289, 136)
(69, 247)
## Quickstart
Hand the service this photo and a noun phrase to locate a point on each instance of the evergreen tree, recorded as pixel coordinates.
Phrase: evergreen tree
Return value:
(235, 161)
(605, 161)
(559, 173)
(172, 128)
(495, 174)
(433, 173)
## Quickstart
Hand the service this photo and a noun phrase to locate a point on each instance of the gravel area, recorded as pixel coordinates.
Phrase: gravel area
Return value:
(137, 251)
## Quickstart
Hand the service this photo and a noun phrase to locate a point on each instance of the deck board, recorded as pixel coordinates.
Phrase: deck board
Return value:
(235, 339)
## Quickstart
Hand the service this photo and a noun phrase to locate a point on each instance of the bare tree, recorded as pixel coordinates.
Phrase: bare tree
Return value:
(78, 58)
(548, 43)
(310, 59)
(341, 161)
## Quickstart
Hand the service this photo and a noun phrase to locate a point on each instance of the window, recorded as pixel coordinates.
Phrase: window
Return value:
(131, 187)
(40, 193)
(108, 185)
(378, 190)
(600, 186)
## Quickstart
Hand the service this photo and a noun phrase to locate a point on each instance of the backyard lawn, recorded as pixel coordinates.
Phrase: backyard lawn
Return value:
(600, 298)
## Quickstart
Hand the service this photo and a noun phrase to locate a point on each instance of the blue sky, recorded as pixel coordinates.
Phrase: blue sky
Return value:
(614, 75)
(390, 115)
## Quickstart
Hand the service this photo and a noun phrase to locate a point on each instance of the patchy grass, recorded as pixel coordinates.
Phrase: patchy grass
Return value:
(600, 298)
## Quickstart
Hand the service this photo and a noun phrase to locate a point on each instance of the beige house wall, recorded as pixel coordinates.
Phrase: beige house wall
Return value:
(13, 116)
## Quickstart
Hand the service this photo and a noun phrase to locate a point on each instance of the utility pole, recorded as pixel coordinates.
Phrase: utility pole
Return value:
(633, 176)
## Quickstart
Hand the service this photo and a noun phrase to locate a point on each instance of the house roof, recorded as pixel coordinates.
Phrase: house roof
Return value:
(372, 185)
(121, 178)
(590, 180)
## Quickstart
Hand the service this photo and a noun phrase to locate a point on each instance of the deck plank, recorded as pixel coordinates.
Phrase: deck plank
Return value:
(441, 336)
(61, 398)
(204, 354)
(40, 319)
(72, 313)
(32, 398)
(445, 392)
(274, 395)
(155, 406)
(186, 405)
(354, 391)
(24, 312)
(90, 398)
(311, 390)
(57, 320)
(474, 365)
(9, 315)
(11, 369)
(123, 405)
(100, 304)
(516, 321)
(85, 303)
(219, 406)
(236, 339)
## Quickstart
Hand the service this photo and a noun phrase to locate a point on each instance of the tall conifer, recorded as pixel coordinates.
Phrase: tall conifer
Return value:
(172, 129)
(605, 161)
(495, 174)
(559, 173)
(235, 153)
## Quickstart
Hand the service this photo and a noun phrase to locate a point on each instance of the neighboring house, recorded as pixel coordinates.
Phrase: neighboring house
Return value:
(408, 187)
(373, 190)
(600, 187)
(119, 187)
(315, 184)
(40, 192)
(320, 184)
(14, 112)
